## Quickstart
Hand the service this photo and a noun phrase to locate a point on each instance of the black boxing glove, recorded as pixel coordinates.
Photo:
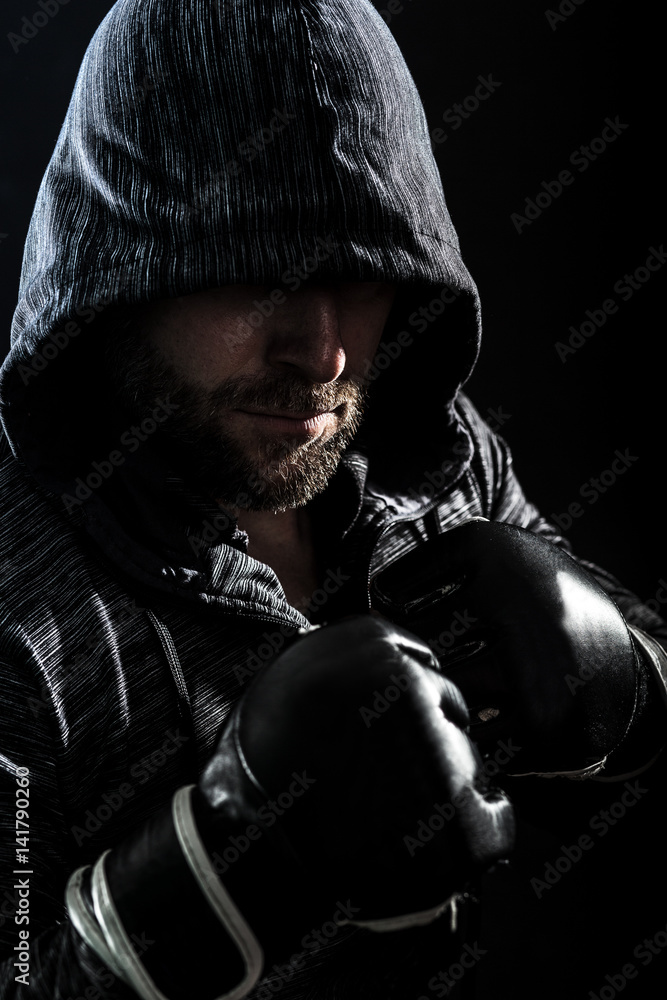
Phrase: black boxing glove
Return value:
(540, 652)
(301, 817)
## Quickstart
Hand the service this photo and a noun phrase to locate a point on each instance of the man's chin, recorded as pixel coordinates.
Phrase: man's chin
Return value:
(265, 489)
(281, 484)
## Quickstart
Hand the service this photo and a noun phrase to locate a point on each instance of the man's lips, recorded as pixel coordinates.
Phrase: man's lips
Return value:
(307, 423)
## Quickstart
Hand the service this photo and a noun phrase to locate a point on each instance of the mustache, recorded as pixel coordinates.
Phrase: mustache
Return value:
(287, 392)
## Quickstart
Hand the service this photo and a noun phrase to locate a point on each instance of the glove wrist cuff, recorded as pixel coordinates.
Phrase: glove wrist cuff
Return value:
(163, 921)
(644, 740)
(655, 658)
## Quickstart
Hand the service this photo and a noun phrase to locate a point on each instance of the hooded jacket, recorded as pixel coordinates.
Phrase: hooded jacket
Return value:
(211, 143)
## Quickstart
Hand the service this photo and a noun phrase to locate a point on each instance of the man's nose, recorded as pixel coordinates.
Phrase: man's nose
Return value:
(308, 336)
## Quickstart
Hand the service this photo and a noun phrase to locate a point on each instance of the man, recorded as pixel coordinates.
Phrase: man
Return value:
(208, 450)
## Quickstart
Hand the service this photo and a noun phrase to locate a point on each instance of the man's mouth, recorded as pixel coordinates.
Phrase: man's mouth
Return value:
(307, 423)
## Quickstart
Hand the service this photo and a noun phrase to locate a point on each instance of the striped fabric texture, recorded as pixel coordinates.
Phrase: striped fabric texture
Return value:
(210, 143)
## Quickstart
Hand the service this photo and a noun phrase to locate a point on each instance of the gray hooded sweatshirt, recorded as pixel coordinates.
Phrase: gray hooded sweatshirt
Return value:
(212, 142)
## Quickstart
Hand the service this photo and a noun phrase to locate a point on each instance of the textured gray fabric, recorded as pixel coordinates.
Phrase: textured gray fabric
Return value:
(154, 190)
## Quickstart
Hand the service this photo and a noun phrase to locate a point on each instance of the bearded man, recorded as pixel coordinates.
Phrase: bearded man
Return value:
(275, 608)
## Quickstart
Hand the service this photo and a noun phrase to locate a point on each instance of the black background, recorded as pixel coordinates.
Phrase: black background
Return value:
(557, 84)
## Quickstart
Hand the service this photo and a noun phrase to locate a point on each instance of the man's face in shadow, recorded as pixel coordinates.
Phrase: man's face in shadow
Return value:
(267, 398)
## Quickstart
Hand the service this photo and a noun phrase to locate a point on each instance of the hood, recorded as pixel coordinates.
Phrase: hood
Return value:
(212, 142)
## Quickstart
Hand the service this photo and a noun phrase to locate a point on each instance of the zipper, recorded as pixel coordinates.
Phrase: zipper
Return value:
(184, 703)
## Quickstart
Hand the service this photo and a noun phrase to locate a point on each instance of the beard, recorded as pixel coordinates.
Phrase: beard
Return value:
(256, 473)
